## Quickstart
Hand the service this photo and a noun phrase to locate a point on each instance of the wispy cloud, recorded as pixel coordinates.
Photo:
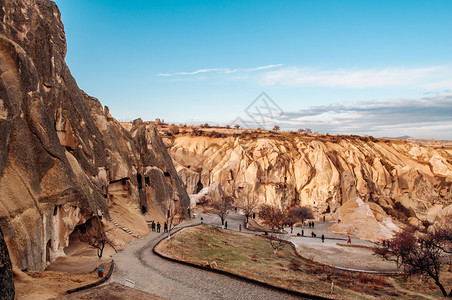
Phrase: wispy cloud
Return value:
(221, 70)
(428, 117)
(264, 67)
(428, 77)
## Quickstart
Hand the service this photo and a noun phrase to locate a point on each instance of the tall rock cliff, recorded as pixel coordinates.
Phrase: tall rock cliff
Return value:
(63, 158)
(412, 183)
(6, 273)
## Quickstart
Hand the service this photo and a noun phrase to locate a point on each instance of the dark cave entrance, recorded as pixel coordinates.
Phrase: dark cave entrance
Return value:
(199, 187)
(48, 249)
(139, 180)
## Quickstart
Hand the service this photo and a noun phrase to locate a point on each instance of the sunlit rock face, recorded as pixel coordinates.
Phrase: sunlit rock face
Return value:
(409, 182)
(63, 157)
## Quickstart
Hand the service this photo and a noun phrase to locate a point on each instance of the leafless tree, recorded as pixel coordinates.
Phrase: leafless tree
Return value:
(425, 255)
(276, 128)
(248, 205)
(300, 213)
(173, 215)
(277, 242)
(272, 216)
(92, 232)
(173, 129)
(222, 206)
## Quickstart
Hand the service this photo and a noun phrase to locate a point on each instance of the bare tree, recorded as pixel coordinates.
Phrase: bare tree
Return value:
(276, 128)
(426, 255)
(173, 129)
(173, 215)
(248, 205)
(222, 206)
(272, 216)
(300, 213)
(277, 242)
(92, 232)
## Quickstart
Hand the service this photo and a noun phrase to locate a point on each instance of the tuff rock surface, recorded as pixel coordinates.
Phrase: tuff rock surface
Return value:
(7, 290)
(63, 158)
(393, 179)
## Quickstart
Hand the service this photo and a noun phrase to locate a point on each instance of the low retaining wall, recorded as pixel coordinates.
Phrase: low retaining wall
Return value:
(85, 287)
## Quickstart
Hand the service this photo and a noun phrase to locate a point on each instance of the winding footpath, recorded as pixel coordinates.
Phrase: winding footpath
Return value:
(137, 266)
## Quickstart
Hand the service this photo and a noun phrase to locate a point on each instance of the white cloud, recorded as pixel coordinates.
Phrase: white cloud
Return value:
(428, 117)
(221, 70)
(264, 67)
(433, 77)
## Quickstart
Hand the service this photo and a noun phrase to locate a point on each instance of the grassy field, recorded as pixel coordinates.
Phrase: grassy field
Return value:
(253, 257)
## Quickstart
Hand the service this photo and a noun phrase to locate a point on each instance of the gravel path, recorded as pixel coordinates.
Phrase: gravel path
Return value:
(137, 266)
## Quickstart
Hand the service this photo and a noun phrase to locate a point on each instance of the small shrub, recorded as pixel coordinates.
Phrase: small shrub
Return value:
(294, 265)
(387, 165)
(363, 278)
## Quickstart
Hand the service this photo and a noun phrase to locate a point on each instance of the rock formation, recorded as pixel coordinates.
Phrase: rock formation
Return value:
(63, 158)
(409, 182)
(6, 271)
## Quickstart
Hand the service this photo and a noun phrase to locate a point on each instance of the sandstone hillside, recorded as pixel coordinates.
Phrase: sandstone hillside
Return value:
(408, 181)
(63, 158)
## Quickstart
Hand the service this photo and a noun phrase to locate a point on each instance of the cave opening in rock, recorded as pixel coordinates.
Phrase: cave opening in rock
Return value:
(147, 181)
(166, 174)
(139, 180)
(48, 249)
(82, 238)
(199, 187)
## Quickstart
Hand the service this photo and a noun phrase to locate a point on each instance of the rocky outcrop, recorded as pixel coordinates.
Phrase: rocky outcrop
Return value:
(364, 220)
(6, 271)
(407, 181)
(63, 158)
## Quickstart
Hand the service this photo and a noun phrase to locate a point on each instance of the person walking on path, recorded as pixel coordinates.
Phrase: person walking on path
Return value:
(349, 241)
(323, 238)
(302, 232)
(153, 226)
(291, 228)
(202, 220)
(158, 226)
(165, 227)
(226, 225)
(240, 227)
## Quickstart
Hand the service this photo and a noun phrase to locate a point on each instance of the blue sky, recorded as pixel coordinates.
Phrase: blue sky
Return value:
(364, 67)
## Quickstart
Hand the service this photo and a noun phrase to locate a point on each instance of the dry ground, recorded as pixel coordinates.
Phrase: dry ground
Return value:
(37, 285)
(253, 257)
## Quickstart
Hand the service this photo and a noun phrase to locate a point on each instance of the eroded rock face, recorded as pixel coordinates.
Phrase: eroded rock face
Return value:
(6, 272)
(406, 180)
(367, 221)
(62, 154)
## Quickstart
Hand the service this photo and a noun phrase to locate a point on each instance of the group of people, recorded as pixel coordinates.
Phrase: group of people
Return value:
(311, 224)
(156, 227)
